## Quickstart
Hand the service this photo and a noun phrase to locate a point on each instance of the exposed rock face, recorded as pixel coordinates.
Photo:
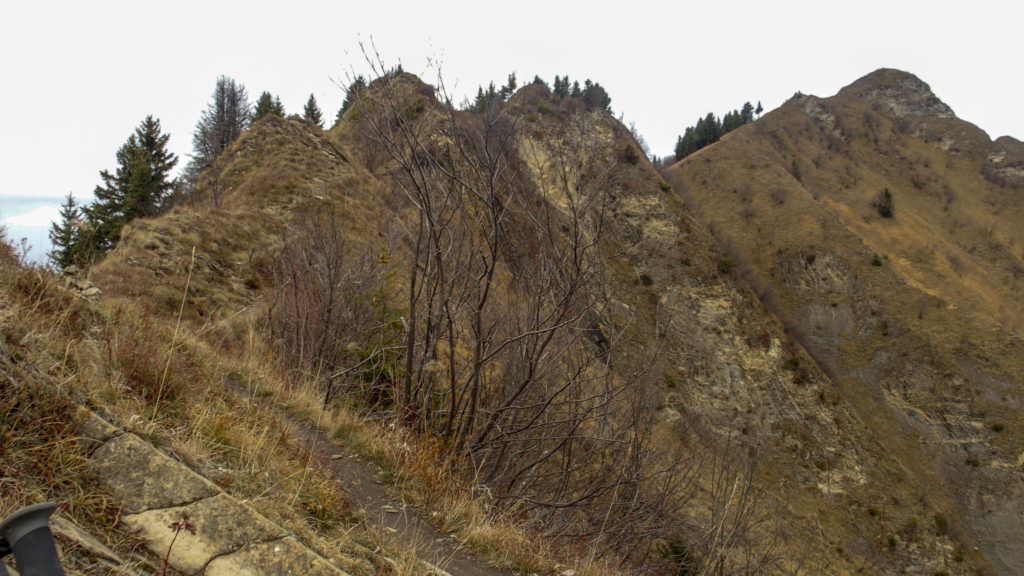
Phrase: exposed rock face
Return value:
(1005, 162)
(819, 111)
(224, 536)
(79, 286)
(899, 94)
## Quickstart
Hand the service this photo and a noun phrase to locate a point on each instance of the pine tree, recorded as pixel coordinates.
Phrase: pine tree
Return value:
(708, 131)
(139, 187)
(484, 99)
(759, 109)
(509, 88)
(687, 143)
(267, 104)
(561, 86)
(480, 102)
(153, 195)
(68, 236)
(312, 112)
(747, 113)
(352, 94)
(595, 97)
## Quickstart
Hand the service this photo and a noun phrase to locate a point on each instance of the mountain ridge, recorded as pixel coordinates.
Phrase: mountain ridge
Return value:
(817, 169)
(794, 350)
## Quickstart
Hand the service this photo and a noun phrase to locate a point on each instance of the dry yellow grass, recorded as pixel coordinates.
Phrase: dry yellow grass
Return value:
(897, 309)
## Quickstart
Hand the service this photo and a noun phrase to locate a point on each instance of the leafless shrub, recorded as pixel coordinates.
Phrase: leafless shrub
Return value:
(329, 316)
(507, 356)
(747, 212)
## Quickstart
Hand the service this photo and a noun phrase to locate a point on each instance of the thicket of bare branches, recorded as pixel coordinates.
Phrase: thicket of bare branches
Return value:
(329, 313)
(506, 356)
(501, 345)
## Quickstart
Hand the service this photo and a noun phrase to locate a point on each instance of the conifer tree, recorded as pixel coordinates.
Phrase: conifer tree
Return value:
(687, 143)
(267, 104)
(68, 236)
(485, 98)
(706, 131)
(595, 96)
(709, 129)
(561, 86)
(148, 200)
(509, 88)
(312, 111)
(759, 109)
(139, 187)
(731, 121)
(747, 113)
(352, 94)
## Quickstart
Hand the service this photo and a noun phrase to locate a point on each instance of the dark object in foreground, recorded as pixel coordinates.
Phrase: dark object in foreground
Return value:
(27, 534)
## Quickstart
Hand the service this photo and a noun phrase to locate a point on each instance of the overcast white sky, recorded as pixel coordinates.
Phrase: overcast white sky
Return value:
(78, 76)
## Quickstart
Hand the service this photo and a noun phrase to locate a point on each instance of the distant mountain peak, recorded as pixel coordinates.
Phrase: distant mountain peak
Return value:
(900, 94)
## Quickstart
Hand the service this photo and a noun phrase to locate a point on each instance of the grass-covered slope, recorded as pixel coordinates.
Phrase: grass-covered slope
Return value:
(887, 235)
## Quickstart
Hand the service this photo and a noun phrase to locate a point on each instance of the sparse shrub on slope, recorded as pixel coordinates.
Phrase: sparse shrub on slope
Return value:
(329, 315)
(883, 204)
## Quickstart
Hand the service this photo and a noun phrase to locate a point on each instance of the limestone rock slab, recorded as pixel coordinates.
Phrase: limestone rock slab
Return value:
(145, 478)
(285, 556)
(222, 525)
(95, 428)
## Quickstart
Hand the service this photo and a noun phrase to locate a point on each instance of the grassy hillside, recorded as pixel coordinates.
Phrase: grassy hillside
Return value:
(910, 303)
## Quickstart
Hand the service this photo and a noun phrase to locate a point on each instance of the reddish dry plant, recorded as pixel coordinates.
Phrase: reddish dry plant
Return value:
(179, 525)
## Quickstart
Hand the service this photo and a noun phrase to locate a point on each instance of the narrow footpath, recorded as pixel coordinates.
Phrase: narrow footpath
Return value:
(441, 554)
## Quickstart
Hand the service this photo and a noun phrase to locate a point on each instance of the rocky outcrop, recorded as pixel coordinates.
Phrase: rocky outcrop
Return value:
(75, 283)
(899, 94)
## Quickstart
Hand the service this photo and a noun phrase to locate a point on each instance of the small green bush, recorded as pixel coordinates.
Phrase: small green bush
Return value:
(676, 550)
(670, 380)
(883, 203)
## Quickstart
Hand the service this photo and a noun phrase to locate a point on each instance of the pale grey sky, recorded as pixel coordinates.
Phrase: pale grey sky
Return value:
(79, 76)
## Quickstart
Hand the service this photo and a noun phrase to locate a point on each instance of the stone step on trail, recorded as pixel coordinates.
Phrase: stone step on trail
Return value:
(158, 491)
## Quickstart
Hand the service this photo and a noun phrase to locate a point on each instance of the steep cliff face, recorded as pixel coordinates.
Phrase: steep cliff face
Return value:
(726, 370)
(886, 234)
